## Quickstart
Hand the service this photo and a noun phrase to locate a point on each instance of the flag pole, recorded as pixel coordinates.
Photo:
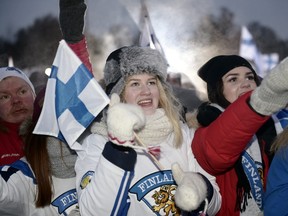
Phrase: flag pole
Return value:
(158, 164)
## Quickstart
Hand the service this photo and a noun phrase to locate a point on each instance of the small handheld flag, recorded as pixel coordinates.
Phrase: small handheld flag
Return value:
(148, 36)
(72, 101)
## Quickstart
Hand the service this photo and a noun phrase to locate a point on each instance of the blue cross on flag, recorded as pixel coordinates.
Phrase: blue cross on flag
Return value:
(72, 100)
(249, 50)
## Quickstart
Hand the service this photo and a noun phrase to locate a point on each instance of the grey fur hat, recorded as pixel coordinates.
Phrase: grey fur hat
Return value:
(132, 60)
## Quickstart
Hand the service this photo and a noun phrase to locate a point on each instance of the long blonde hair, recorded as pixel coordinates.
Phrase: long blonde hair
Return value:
(173, 110)
(281, 141)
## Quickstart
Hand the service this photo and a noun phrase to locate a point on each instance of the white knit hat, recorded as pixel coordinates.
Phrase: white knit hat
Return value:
(132, 60)
(15, 72)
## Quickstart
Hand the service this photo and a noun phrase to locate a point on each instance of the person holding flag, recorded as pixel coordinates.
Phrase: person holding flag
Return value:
(71, 19)
(42, 181)
(166, 146)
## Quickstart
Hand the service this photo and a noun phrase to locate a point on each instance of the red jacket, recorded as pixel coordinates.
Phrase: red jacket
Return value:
(11, 144)
(218, 146)
(81, 50)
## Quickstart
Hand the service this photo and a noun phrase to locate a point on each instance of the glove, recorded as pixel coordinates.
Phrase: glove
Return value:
(272, 95)
(122, 120)
(71, 18)
(191, 190)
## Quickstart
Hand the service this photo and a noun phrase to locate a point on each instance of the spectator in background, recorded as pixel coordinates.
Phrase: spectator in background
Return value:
(42, 182)
(277, 180)
(17, 95)
(236, 132)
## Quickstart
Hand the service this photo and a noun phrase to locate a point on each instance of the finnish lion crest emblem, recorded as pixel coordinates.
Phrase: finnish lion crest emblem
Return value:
(164, 200)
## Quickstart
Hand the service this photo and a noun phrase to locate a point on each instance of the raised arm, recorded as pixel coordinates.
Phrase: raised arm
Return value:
(219, 145)
(72, 18)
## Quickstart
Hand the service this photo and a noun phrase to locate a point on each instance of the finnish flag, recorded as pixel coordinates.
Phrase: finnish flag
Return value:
(148, 36)
(249, 50)
(270, 61)
(72, 100)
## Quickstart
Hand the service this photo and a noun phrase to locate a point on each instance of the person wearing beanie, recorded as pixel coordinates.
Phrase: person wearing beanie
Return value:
(16, 105)
(43, 181)
(236, 129)
(12, 114)
(138, 159)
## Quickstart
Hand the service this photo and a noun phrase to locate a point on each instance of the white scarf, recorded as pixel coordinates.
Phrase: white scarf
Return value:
(156, 130)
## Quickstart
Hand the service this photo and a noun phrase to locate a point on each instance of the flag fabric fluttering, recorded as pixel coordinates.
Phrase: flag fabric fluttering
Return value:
(248, 49)
(72, 100)
(270, 61)
(148, 37)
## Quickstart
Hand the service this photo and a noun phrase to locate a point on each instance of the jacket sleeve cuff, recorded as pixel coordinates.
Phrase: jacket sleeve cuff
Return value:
(123, 157)
(81, 50)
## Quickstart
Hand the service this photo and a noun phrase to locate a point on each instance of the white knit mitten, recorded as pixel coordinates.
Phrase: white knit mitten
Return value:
(191, 190)
(122, 120)
(272, 95)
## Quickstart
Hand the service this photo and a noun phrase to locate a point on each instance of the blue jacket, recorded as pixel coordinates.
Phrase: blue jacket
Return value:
(276, 199)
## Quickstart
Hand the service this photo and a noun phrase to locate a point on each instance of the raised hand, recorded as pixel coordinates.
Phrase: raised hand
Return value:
(123, 120)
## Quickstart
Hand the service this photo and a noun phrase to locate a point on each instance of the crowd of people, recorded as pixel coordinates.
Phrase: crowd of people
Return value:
(147, 154)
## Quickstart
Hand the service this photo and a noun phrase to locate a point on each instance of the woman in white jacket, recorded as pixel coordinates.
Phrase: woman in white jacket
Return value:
(117, 173)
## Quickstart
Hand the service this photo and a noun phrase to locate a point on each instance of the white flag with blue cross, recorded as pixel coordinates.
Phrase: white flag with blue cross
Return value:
(72, 100)
(249, 50)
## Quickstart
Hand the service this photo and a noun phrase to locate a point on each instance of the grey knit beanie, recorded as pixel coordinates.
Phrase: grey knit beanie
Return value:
(132, 60)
